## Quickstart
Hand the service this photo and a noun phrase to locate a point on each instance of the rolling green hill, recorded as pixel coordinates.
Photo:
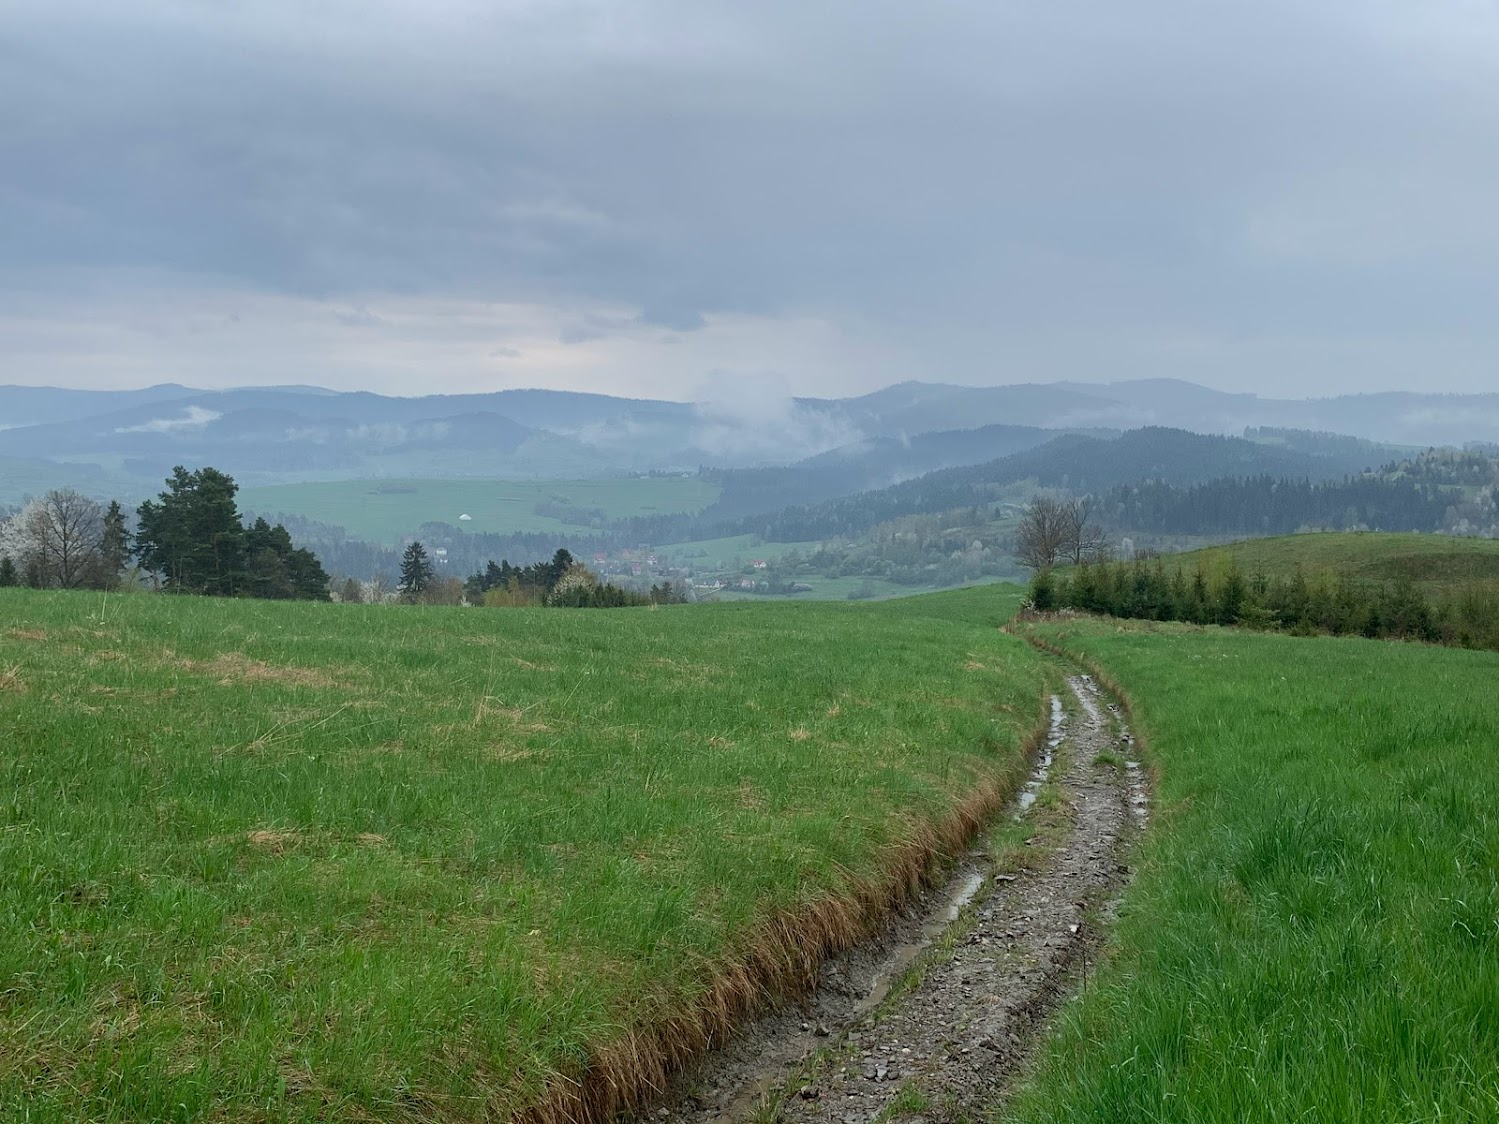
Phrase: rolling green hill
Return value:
(1436, 564)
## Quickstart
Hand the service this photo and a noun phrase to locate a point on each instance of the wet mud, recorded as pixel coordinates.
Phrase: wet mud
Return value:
(934, 1019)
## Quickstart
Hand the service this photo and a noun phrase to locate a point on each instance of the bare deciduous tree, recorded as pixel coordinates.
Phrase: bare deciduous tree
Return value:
(1085, 542)
(58, 540)
(1042, 534)
(1053, 531)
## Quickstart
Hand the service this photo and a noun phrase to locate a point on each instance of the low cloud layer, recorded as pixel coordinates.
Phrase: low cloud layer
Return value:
(1283, 197)
(192, 418)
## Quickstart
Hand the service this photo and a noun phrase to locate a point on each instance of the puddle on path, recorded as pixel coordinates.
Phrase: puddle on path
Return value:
(1054, 736)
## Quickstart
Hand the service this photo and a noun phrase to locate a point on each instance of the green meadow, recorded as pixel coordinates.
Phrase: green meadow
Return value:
(1313, 931)
(313, 862)
(384, 510)
(301, 862)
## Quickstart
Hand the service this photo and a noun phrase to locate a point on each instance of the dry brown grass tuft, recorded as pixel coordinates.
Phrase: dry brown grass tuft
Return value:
(233, 668)
(274, 842)
(501, 752)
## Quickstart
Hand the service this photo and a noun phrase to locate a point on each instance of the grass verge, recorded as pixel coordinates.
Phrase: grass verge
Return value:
(292, 862)
(1314, 929)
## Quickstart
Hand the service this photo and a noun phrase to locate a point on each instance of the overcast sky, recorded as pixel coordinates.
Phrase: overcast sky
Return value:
(658, 198)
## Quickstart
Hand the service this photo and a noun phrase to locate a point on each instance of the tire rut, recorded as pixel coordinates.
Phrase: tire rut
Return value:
(934, 1018)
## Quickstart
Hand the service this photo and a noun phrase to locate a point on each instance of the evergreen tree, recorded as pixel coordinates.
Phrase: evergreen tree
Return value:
(276, 568)
(416, 572)
(1197, 598)
(557, 569)
(1231, 596)
(114, 547)
(1043, 591)
(8, 575)
(194, 538)
(192, 535)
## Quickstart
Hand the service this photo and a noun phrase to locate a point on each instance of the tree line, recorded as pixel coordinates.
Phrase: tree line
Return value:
(1146, 589)
(561, 582)
(190, 539)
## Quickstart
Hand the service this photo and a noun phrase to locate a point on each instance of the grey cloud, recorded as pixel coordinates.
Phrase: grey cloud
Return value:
(994, 185)
(358, 317)
(594, 326)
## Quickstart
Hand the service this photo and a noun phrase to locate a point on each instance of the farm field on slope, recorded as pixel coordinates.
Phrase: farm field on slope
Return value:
(1436, 564)
(384, 510)
(297, 862)
(1313, 933)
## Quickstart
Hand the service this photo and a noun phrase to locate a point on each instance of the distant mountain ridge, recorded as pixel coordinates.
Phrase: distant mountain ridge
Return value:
(127, 440)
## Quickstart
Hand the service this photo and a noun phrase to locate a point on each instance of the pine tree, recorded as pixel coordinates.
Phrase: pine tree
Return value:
(114, 547)
(416, 572)
(1231, 596)
(8, 575)
(1043, 591)
(192, 535)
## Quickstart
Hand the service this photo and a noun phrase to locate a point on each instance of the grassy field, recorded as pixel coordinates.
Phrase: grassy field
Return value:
(1437, 564)
(385, 510)
(1313, 932)
(307, 862)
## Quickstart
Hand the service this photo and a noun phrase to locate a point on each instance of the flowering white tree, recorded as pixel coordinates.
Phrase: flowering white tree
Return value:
(56, 541)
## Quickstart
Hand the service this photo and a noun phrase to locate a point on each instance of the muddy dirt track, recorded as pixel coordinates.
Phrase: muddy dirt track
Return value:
(934, 1019)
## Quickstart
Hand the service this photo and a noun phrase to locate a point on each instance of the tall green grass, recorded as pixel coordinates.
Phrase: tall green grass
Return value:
(1313, 933)
(265, 861)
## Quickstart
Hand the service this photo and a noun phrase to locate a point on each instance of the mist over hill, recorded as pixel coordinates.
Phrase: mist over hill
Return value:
(125, 441)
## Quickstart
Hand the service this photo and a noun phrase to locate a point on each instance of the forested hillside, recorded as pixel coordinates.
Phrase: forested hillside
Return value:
(1077, 463)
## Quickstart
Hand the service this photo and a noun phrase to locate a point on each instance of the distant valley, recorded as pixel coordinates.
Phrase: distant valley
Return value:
(914, 486)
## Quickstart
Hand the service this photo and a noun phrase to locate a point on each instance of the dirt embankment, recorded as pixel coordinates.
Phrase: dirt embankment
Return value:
(934, 1018)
